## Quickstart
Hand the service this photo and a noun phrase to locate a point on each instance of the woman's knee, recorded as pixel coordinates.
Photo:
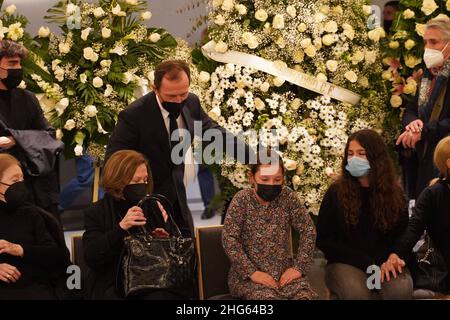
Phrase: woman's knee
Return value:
(347, 282)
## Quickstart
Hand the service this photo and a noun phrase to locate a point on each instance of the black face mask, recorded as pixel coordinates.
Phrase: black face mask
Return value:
(135, 192)
(268, 192)
(16, 195)
(387, 24)
(174, 108)
(13, 79)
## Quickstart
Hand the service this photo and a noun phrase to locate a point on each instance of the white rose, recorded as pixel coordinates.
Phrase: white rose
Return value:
(78, 150)
(71, 9)
(127, 77)
(448, 5)
(429, 6)
(97, 82)
(410, 87)
(147, 15)
(204, 77)
(106, 33)
(367, 10)
(363, 82)
(108, 90)
(132, 2)
(89, 54)
(264, 87)
(59, 74)
(64, 47)
(241, 9)
(259, 104)
(376, 34)
(85, 33)
(290, 164)
(396, 101)
(105, 63)
(43, 32)
(302, 27)
(291, 11)
(228, 5)
(278, 21)
(420, 29)
(90, 111)
(295, 104)
(298, 56)
(219, 20)
(59, 134)
(261, 15)
(409, 44)
(311, 51)
(11, 9)
(321, 77)
(70, 124)
(217, 3)
(357, 57)
(305, 43)
(296, 180)
(61, 106)
(370, 57)
(221, 47)
(332, 65)
(338, 10)
(387, 75)
(278, 82)
(214, 113)
(412, 61)
(331, 27)
(155, 37)
(324, 9)
(117, 10)
(83, 78)
(328, 39)
(408, 14)
(351, 76)
(99, 12)
(349, 32)
(394, 44)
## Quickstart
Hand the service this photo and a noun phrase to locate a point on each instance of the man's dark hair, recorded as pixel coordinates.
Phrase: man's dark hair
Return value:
(170, 69)
(10, 49)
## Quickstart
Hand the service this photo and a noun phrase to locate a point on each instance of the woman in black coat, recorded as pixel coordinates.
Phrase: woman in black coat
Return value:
(431, 213)
(31, 260)
(126, 180)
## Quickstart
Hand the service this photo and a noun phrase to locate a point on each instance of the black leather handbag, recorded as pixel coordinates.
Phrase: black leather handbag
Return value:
(430, 271)
(149, 263)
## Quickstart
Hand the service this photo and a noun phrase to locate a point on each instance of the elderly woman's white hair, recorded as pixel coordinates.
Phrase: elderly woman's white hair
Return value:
(442, 24)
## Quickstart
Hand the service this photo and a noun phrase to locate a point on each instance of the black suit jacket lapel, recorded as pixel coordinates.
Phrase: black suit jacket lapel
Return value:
(162, 136)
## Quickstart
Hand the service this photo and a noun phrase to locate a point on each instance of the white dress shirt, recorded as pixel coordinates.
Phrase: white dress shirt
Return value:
(189, 165)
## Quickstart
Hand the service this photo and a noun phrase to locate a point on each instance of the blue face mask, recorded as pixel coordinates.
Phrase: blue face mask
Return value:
(357, 167)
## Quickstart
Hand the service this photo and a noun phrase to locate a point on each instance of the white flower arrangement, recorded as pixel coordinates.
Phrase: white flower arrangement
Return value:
(310, 130)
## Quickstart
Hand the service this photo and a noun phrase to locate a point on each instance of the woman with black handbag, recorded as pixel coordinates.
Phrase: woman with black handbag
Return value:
(126, 181)
(431, 213)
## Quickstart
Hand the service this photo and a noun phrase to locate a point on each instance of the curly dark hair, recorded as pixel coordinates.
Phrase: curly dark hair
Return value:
(387, 197)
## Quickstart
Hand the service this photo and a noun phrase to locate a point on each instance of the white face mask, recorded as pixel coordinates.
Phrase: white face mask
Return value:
(434, 58)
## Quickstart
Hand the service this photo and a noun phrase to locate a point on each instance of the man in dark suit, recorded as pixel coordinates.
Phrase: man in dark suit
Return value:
(147, 124)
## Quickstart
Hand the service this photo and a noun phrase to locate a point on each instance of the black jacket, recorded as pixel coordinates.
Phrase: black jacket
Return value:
(141, 127)
(361, 245)
(432, 133)
(44, 261)
(21, 110)
(431, 213)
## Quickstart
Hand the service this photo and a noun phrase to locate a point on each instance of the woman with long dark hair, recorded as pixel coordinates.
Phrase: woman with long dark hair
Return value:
(361, 216)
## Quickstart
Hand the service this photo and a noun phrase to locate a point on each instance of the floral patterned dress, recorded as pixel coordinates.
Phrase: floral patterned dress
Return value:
(256, 238)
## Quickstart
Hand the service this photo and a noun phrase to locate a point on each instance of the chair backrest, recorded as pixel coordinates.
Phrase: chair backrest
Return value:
(213, 262)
